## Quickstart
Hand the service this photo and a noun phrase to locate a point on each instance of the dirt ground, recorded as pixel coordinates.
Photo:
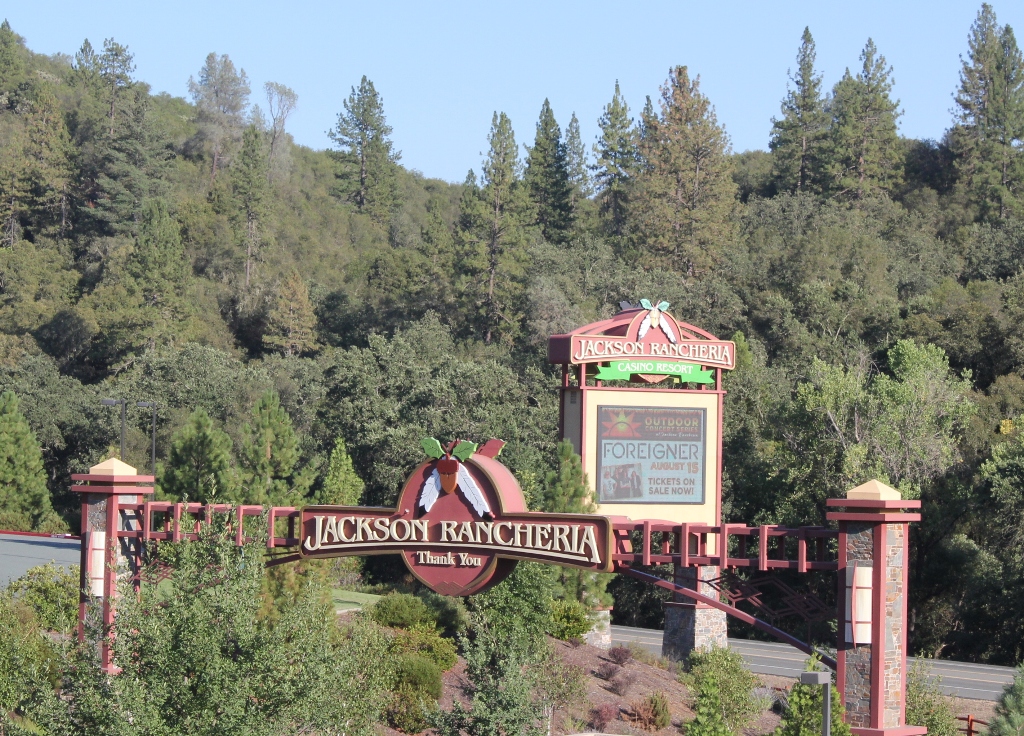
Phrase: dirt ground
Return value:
(648, 679)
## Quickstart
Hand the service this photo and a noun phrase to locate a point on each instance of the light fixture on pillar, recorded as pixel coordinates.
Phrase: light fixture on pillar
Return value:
(858, 603)
(825, 680)
(123, 404)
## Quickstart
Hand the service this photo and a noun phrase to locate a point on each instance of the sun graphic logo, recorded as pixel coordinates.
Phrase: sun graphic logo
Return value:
(620, 424)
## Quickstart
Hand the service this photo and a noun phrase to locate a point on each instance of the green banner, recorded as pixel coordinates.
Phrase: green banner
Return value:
(621, 370)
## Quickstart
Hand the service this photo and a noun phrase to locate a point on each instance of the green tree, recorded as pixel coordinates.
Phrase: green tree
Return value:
(1009, 718)
(249, 176)
(196, 656)
(49, 152)
(566, 492)
(708, 719)
(989, 119)
(576, 165)
(721, 670)
(199, 465)
(617, 161)
(547, 179)
(281, 103)
(221, 96)
(270, 454)
(797, 136)
(12, 61)
(926, 704)
(24, 498)
(362, 131)
(160, 263)
(685, 192)
(341, 486)
(292, 321)
(863, 155)
(115, 66)
(494, 258)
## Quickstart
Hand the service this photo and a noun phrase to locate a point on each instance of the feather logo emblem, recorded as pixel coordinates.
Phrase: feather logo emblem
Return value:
(450, 473)
(654, 319)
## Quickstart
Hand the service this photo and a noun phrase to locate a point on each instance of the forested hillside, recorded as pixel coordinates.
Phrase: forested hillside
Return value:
(304, 317)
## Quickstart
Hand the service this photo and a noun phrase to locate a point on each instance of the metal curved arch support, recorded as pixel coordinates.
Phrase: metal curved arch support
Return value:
(731, 611)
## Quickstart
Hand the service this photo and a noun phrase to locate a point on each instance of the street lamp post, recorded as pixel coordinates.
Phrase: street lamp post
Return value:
(123, 403)
(825, 680)
(151, 405)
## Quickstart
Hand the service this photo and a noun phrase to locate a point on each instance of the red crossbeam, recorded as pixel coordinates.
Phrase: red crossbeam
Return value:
(178, 521)
(686, 545)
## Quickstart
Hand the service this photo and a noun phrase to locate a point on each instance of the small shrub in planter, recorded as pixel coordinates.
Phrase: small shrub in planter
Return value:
(607, 670)
(651, 713)
(622, 683)
(602, 715)
(620, 655)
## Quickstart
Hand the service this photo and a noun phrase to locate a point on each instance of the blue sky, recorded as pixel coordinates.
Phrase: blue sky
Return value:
(443, 68)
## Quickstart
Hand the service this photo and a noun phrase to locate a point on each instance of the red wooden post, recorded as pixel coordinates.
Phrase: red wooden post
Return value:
(872, 649)
(104, 557)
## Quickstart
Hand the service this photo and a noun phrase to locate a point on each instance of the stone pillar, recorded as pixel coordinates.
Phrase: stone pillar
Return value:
(600, 635)
(872, 648)
(690, 625)
(106, 557)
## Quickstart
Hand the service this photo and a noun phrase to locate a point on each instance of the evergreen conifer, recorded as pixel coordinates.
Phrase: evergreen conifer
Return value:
(341, 486)
(797, 136)
(24, 498)
(270, 454)
(616, 161)
(547, 179)
(199, 466)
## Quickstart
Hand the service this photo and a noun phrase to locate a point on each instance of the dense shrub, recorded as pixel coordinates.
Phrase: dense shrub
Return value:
(570, 619)
(607, 670)
(622, 683)
(449, 613)
(620, 655)
(803, 712)
(52, 593)
(418, 673)
(425, 641)
(651, 713)
(733, 683)
(926, 706)
(603, 715)
(401, 611)
(408, 710)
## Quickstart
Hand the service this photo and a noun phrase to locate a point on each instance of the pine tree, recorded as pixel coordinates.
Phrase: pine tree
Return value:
(989, 125)
(12, 61)
(341, 486)
(292, 322)
(547, 179)
(221, 96)
(363, 132)
(199, 466)
(581, 186)
(616, 161)
(24, 498)
(251, 186)
(49, 151)
(494, 259)
(566, 492)
(160, 264)
(797, 136)
(1009, 719)
(864, 156)
(685, 192)
(115, 66)
(270, 453)
(15, 183)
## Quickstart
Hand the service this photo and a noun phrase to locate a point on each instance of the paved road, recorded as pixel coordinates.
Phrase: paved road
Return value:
(18, 554)
(975, 681)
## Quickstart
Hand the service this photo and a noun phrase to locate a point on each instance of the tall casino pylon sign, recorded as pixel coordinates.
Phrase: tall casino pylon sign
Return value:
(642, 402)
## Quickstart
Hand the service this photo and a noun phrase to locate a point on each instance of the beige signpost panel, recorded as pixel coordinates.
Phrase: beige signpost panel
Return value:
(649, 454)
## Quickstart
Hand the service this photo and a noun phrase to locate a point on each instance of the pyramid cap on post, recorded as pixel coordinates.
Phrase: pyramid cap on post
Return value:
(113, 466)
(873, 490)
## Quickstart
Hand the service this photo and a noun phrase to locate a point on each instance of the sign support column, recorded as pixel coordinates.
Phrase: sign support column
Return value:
(105, 557)
(872, 649)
